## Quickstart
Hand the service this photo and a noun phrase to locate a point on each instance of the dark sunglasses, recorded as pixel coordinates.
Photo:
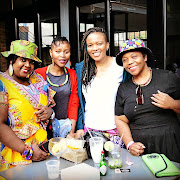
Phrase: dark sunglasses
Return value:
(140, 98)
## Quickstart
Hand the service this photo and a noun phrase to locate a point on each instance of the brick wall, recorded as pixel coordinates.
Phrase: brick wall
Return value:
(3, 63)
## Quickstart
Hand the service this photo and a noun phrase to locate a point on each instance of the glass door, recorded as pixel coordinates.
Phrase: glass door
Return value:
(91, 15)
(173, 36)
(128, 21)
(122, 20)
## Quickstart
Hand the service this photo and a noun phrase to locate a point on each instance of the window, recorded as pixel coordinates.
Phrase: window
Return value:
(26, 31)
(118, 38)
(49, 30)
(88, 26)
(82, 27)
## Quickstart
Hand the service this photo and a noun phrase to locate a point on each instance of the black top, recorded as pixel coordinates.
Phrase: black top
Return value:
(147, 121)
(62, 95)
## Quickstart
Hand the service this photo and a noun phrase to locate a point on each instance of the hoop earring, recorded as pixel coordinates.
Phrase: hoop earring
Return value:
(10, 69)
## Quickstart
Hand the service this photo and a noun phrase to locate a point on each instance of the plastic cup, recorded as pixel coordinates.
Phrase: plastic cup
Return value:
(53, 168)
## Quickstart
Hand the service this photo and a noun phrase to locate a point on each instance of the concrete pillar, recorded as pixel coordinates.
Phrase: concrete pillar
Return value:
(64, 18)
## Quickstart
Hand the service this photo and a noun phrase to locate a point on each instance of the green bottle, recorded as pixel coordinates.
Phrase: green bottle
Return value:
(103, 167)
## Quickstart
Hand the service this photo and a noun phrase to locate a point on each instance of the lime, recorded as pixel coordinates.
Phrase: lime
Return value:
(109, 146)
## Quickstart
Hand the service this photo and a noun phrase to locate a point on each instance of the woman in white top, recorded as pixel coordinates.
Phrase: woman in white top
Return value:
(98, 79)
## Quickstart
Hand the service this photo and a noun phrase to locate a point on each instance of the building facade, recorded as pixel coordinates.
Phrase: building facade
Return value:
(156, 22)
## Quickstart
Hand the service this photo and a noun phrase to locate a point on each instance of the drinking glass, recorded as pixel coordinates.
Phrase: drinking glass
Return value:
(57, 147)
(115, 157)
(76, 144)
(96, 146)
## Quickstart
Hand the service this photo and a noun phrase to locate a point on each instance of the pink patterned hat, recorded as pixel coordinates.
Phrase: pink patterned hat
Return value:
(132, 45)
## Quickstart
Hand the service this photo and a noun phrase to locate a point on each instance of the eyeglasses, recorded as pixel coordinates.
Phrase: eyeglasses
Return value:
(140, 98)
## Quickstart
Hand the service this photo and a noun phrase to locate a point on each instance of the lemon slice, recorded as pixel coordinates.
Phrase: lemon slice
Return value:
(58, 147)
(55, 148)
(74, 144)
(109, 146)
(73, 147)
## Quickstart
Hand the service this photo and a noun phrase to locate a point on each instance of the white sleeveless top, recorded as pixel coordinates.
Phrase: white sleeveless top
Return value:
(100, 98)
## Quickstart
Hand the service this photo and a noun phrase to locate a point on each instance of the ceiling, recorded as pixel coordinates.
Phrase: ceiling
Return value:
(26, 5)
(8, 5)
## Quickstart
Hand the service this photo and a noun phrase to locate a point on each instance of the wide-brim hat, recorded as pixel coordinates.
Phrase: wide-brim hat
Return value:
(23, 48)
(132, 45)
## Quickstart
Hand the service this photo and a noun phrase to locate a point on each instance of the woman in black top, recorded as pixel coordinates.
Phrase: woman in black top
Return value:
(146, 105)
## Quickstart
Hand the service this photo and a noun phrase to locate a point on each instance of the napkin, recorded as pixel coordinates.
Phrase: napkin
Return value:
(80, 172)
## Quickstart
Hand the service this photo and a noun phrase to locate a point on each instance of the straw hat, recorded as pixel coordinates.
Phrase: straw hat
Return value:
(132, 45)
(24, 49)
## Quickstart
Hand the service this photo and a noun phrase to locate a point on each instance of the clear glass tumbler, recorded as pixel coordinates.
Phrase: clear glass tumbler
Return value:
(115, 157)
(96, 146)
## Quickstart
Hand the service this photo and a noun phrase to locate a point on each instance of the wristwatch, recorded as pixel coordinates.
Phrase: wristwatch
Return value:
(52, 115)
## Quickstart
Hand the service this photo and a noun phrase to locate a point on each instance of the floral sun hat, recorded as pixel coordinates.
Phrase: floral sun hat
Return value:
(23, 48)
(132, 45)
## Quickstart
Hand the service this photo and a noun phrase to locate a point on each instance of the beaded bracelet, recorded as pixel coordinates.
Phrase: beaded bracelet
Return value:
(28, 152)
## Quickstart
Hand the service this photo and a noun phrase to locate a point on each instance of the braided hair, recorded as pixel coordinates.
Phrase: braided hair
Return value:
(89, 68)
(58, 40)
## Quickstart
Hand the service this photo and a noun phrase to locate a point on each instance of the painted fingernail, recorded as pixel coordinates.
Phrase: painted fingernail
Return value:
(142, 146)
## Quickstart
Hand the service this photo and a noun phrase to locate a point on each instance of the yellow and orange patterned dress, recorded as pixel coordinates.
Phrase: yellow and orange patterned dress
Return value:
(22, 119)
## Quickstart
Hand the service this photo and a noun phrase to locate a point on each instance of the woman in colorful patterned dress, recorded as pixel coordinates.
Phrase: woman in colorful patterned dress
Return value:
(25, 107)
